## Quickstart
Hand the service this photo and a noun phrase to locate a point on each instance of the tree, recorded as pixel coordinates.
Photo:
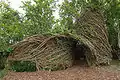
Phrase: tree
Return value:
(10, 26)
(113, 21)
(39, 17)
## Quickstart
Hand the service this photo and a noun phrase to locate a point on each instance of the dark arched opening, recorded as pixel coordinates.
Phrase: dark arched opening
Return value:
(78, 54)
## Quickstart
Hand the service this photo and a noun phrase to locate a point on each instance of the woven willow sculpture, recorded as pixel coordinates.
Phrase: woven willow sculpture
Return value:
(92, 31)
(48, 52)
(55, 52)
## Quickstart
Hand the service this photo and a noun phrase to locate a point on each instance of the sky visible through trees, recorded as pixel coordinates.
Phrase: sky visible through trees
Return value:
(17, 3)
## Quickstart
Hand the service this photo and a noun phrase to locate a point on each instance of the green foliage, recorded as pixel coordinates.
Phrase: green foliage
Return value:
(23, 66)
(113, 21)
(68, 12)
(3, 57)
(10, 26)
(39, 17)
(59, 28)
(2, 62)
(3, 73)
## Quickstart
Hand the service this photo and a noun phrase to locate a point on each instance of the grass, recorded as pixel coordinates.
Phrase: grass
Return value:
(3, 73)
(115, 62)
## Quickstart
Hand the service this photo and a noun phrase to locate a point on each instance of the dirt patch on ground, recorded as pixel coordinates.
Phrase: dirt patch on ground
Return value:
(76, 72)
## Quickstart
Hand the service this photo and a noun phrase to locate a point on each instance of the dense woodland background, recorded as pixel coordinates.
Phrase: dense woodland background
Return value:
(39, 19)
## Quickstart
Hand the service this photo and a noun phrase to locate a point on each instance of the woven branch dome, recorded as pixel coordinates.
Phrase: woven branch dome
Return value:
(48, 52)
